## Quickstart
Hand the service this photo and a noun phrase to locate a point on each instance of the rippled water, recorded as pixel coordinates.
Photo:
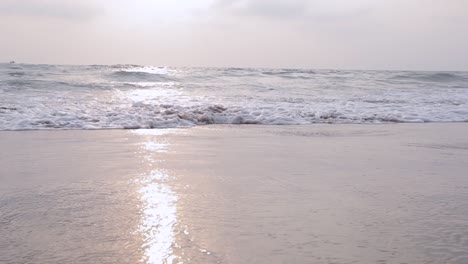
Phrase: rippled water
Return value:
(309, 194)
(132, 96)
(70, 198)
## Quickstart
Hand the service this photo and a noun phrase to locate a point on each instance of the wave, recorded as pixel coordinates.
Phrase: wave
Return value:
(431, 77)
(146, 116)
(141, 74)
(17, 74)
(147, 84)
(144, 70)
(379, 101)
(282, 73)
(108, 85)
(287, 71)
(7, 108)
(291, 74)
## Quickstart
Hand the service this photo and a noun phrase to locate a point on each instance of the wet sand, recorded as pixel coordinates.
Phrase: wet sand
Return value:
(236, 194)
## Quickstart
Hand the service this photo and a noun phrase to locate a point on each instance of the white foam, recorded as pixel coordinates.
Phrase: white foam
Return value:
(141, 95)
(146, 69)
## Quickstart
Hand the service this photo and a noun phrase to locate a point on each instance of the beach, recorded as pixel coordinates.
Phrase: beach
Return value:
(390, 193)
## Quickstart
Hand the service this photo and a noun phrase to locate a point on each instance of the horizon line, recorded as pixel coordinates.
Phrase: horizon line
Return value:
(236, 67)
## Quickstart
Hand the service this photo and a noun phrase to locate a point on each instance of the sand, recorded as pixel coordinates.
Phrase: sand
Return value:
(236, 194)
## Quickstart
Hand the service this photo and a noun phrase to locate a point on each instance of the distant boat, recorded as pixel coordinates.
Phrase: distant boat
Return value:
(12, 61)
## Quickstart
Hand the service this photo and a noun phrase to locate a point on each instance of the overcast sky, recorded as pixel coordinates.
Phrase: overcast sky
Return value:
(349, 34)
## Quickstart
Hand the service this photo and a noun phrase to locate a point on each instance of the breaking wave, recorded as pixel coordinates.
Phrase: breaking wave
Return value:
(134, 96)
(143, 69)
(141, 115)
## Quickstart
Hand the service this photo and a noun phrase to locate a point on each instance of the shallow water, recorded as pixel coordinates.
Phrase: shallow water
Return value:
(314, 194)
(81, 198)
(132, 96)
(326, 194)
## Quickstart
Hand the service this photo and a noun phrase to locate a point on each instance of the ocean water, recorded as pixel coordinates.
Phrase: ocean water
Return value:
(233, 195)
(130, 96)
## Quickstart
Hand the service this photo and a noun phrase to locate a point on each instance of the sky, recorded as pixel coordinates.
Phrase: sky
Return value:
(317, 34)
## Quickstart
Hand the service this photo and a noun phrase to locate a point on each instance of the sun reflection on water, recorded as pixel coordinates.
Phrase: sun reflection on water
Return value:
(159, 210)
(158, 218)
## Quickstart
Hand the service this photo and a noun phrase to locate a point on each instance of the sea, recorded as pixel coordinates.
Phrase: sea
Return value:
(39, 96)
(239, 194)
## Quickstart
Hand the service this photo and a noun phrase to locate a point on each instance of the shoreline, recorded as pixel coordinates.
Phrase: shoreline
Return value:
(240, 125)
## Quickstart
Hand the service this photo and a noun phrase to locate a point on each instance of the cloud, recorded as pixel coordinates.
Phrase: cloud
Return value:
(262, 8)
(366, 34)
(294, 9)
(56, 9)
